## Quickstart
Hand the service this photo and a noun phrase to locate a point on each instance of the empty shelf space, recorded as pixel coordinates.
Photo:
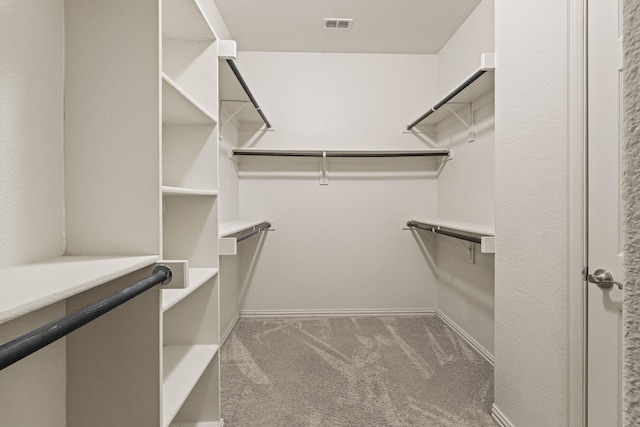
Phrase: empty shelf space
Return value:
(178, 107)
(197, 277)
(474, 87)
(183, 19)
(31, 287)
(229, 228)
(338, 153)
(182, 367)
(180, 191)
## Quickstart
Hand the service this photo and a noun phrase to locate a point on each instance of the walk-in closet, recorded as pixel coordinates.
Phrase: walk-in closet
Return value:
(250, 213)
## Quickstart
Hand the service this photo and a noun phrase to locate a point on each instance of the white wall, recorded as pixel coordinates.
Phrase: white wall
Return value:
(466, 184)
(31, 165)
(32, 194)
(531, 211)
(341, 246)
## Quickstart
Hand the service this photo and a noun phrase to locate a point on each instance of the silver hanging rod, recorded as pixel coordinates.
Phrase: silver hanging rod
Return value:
(235, 70)
(253, 232)
(33, 341)
(329, 153)
(438, 230)
(475, 76)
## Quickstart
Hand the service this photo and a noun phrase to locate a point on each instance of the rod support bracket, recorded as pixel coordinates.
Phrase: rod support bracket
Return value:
(324, 173)
(166, 271)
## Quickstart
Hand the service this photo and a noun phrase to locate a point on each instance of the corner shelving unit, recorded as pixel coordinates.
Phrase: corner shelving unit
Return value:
(190, 331)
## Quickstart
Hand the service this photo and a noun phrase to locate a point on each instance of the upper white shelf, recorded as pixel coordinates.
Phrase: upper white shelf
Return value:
(183, 19)
(237, 225)
(178, 107)
(338, 153)
(30, 287)
(236, 98)
(182, 191)
(474, 87)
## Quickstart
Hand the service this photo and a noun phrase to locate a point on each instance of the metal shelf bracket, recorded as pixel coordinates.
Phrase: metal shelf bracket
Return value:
(324, 176)
(470, 125)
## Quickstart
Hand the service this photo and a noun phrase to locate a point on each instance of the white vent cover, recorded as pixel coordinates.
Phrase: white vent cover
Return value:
(338, 23)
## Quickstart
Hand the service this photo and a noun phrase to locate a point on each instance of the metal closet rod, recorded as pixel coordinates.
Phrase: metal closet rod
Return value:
(448, 98)
(245, 236)
(235, 70)
(436, 229)
(33, 341)
(352, 154)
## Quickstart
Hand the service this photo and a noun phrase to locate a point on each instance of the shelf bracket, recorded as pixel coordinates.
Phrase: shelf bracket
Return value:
(470, 125)
(244, 104)
(324, 177)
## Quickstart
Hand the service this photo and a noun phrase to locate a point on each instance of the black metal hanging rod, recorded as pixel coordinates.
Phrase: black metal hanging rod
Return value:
(33, 341)
(334, 154)
(253, 232)
(235, 70)
(438, 230)
(449, 97)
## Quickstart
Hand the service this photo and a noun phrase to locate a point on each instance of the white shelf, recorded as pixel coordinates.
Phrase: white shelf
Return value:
(31, 287)
(474, 87)
(182, 366)
(197, 278)
(183, 19)
(178, 107)
(181, 191)
(479, 229)
(233, 96)
(337, 153)
(228, 228)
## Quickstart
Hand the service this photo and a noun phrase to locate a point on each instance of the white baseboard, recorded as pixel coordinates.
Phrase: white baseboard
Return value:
(340, 312)
(499, 417)
(465, 336)
(226, 333)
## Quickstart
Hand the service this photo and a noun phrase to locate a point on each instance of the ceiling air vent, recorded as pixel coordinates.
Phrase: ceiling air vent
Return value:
(338, 23)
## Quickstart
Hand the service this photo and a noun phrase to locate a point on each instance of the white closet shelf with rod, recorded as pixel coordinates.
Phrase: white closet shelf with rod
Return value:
(240, 230)
(479, 84)
(484, 235)
(338, 153)
(235, 90)
(27, 344)
(30, 287)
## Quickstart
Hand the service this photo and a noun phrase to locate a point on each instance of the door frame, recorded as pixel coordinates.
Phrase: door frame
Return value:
(577, 216)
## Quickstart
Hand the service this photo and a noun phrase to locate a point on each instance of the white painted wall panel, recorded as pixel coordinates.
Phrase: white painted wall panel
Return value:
(531, 214)
(466, 184)
(31, 158)
(33, 391)
(339, 246)
(460, 57)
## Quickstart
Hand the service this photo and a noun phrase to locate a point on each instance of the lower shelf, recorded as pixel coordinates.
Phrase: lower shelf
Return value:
(183, 367)
(203, 424)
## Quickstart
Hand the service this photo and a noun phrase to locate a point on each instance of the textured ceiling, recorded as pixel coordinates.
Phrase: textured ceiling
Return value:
(379, 26)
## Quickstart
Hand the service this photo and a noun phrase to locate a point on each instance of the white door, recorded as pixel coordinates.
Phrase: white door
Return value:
(605, 242)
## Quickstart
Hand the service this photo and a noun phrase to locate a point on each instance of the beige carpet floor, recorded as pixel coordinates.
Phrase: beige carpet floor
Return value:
(352, 372)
